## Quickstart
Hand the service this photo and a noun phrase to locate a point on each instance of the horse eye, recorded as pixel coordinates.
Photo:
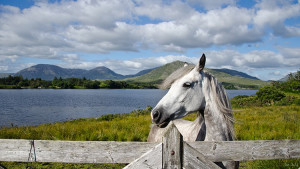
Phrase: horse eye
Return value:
(187, 84)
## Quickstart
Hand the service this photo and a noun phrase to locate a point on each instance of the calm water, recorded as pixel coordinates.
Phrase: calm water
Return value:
(37, 106)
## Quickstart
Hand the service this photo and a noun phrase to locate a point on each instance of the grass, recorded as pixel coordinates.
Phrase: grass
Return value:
(7, 86)
(134, 126)
(268, 123)
(255, 123)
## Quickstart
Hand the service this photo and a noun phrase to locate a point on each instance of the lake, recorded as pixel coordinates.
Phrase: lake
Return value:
(38, 106)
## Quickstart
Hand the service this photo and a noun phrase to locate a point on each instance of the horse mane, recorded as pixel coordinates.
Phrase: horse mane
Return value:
(222, 102)
(219, 94)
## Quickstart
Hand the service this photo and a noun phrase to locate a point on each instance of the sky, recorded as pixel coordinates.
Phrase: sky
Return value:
(257, 37)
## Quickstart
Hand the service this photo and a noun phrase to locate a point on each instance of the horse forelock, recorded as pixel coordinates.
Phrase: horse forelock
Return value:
(175, 76)
(222, 101)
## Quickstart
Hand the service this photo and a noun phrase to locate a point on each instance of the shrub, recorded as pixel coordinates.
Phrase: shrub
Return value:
(288, 100)
(245, 101)
(269, 94)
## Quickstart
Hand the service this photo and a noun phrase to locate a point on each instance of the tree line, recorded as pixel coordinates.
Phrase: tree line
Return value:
(18, 82)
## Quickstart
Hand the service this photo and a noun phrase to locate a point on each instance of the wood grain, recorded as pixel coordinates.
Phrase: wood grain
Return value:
(126, 152)
(172, 156)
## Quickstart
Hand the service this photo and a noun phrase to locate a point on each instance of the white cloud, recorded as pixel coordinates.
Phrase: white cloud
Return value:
(290, 52)
(276, 73)
(70, 58)
(11, 58)
(258, 60)
(130, 66)
(104, 26)
(273, 14)
(66, 30)
(3, 68)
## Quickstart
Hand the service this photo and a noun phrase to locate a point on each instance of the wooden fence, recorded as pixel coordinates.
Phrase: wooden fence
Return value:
(173, 152)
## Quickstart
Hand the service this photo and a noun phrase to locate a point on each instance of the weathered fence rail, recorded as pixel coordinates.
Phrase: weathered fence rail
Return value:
(138, 152)
(125, 152)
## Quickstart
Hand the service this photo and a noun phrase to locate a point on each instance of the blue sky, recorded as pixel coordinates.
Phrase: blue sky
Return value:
(258, 37)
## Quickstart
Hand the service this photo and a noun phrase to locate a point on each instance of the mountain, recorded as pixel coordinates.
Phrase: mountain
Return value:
(102, 73)
(140, 73)
(234, 78)
(48, 72)
(159, 74)
(286, 77)
(236, 73)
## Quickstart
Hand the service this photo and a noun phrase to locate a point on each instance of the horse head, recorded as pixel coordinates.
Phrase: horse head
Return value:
(184, 96)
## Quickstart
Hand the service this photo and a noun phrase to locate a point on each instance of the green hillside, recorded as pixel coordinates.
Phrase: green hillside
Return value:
(156, 76)
(237, 81)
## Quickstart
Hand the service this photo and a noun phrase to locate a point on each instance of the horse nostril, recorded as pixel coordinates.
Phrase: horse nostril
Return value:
(156, 116)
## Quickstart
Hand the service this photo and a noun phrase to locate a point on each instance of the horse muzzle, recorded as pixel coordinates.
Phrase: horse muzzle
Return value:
(159, 118)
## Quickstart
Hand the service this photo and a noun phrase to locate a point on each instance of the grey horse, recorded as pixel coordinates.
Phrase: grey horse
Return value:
(194, 90)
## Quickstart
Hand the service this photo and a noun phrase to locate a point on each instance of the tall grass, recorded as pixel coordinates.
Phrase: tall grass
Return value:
(134, 126)
(255, 123)
(268, 123)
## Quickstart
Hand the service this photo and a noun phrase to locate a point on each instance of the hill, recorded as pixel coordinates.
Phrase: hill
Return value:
(236, 73)
(102, 73)
(234, 80)
(231, 79)
(48, 72)
(286, 78)
(140, 73)
(159, 74)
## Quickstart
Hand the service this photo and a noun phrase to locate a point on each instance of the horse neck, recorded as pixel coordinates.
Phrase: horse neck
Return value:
(219, 126)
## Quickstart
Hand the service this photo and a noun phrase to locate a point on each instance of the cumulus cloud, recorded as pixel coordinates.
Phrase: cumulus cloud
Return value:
(290, 52)
(273, 14)
(276, 73)
(256, 59)
(104, 26)
(245, 62)
(66, 30)
(131, 66)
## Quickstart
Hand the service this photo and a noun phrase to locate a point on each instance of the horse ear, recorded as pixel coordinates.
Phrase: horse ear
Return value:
(201, 63)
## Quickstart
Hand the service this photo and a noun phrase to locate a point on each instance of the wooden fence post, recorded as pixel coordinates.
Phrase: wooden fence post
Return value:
(172, 152)
(177, 154)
